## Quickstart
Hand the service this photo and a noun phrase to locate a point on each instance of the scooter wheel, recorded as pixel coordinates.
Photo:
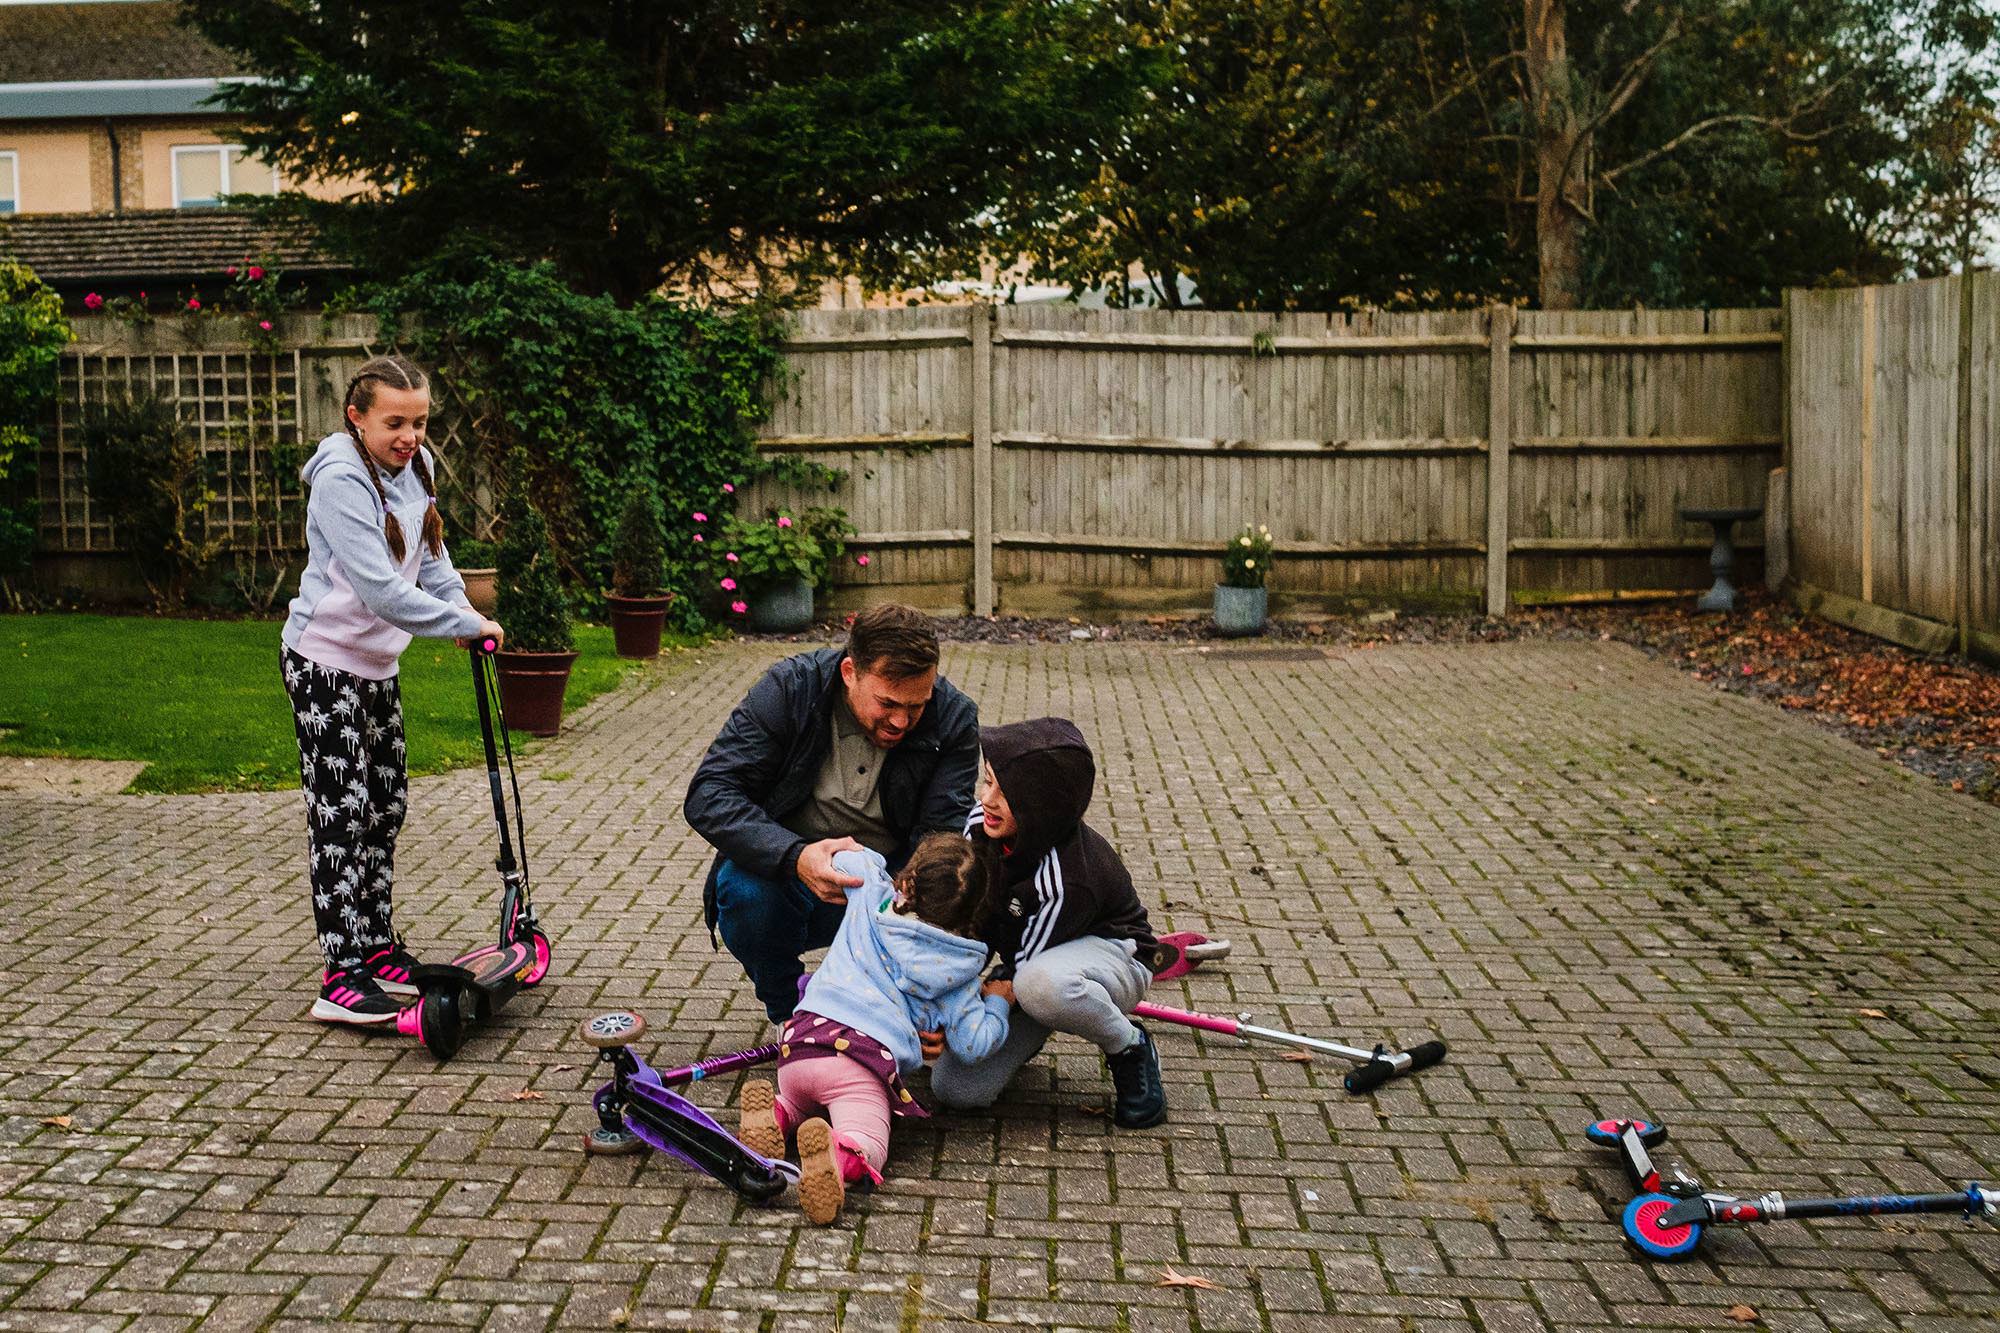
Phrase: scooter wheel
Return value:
(602, 1142)
(442, 1021)
(539, 966)
(620, 1027)
(757, 1184)
(1643, 1229)
(1606, 1133)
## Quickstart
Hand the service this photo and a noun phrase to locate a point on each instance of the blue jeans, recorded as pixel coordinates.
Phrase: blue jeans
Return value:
(767, 925)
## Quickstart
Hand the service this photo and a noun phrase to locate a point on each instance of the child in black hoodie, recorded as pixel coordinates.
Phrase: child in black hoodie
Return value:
(1072, 937)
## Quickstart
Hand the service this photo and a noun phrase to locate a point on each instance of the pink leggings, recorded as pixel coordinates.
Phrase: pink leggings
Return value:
(855, 1101)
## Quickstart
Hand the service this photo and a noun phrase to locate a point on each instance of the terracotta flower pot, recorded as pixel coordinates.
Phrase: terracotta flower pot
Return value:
(636, 623)
(531, 689)
(481, 589)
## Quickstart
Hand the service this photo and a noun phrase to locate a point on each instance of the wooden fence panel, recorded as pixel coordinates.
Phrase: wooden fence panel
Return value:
(1124, 447)
(1876, 479)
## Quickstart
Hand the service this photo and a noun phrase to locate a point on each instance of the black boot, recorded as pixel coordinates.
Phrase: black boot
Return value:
(1135, 1073)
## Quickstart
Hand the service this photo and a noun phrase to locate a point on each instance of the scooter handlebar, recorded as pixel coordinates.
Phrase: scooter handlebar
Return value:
(485, 645)
(1380, 1070)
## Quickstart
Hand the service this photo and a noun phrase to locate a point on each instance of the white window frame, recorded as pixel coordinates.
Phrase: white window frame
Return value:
(222, 151)
(10, 172)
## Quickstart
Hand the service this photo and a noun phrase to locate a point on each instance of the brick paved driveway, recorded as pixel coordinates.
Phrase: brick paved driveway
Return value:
(1609, 888)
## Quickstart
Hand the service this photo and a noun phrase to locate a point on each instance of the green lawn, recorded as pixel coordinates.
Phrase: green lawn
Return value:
(202, 701)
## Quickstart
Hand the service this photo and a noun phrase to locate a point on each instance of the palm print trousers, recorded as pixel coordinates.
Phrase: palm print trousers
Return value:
(352, 773)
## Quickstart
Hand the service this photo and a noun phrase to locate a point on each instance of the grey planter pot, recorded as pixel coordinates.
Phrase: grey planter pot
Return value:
(782, 608)
(1240, 611)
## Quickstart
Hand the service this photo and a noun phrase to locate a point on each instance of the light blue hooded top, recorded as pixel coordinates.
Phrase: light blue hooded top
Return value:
(892, 975)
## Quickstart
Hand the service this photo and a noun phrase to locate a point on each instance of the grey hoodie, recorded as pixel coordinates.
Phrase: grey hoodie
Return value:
(357, 609)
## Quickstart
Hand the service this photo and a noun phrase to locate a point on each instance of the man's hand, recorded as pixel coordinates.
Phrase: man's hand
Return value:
(1004, 989)
(932, 1045)
(816, 870)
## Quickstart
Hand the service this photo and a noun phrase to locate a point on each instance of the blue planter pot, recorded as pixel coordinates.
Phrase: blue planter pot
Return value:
(782, 608)
(1240, 611)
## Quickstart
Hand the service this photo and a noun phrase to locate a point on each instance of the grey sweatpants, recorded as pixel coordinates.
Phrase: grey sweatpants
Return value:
(1084, 988)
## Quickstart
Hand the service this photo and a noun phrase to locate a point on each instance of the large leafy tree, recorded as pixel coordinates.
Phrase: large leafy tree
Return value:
(1287, 154)
(636, 142)
(1316, 153)
(1688, 151)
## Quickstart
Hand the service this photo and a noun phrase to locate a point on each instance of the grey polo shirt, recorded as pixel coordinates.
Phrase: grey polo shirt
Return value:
(846, 800)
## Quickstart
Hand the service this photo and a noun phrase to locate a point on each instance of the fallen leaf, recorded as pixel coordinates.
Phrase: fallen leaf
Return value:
(1169, 1278)
(1299, 1057)
(527, 1095)
(1871, 1013)
(564, 1069)
(1742, 1314)
(59, 1121)
(1096, 1110)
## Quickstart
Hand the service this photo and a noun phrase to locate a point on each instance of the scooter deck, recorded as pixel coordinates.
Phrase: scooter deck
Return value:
(484, 968)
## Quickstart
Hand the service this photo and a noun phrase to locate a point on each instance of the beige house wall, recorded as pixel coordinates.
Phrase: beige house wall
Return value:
(66, 164)
(54, 166)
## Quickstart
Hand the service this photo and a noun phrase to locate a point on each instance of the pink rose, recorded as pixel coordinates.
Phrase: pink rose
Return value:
(255, 273)
(264, 324)
(729, 585)
(93, 302)
(784, 522)
(861, 560)
(731, 557)
(194, 303)
(700, 517)
(230, 271)
(729, 488)
(739, 607)
(697, 536)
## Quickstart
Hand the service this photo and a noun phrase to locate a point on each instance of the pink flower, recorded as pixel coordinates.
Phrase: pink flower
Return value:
(729, 488)
(142, 296)
(739, 607)
(264, 324)
(700, 517)
(93, 302)
(861, 560)
(230, 271)
(255, 273)
(194, 303)
(697, 536)
(729, 585)
(784, 522)
(731, 557)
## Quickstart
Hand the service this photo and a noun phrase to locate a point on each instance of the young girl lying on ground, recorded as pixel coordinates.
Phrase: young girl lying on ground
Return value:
(907, 960)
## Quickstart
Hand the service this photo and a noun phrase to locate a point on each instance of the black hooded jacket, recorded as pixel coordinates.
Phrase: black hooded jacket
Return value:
(1058, 880)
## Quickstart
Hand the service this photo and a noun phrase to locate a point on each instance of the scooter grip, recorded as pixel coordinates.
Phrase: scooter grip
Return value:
(1375, 1073)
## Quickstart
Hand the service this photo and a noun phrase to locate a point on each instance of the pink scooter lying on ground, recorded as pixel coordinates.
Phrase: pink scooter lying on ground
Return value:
(639, 1108)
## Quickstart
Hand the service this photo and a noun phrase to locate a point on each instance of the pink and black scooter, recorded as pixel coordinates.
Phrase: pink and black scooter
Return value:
(1668, 1217)
(472, 987)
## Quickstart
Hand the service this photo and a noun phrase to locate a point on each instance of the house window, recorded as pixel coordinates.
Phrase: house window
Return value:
(10, 182)
(204, 173)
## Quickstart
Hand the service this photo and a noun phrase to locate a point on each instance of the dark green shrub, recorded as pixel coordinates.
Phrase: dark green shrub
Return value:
(149, 477)
(639, 550)
(532, 609)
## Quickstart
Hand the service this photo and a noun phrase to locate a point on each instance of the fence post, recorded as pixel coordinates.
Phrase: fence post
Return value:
(1964, 450)
(1868, 444)
(1499, 431)
(981, 317)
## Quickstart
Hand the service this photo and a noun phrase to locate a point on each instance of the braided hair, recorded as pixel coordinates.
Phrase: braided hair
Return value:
(398, 373)
(945, 883)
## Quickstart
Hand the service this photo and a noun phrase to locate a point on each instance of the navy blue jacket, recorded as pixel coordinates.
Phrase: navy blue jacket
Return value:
(766, 759)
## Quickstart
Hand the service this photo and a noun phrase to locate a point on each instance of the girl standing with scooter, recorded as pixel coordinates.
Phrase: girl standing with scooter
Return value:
(368, 588)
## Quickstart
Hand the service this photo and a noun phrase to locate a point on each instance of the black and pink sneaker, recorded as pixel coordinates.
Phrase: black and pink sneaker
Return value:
(391, 969)
(352, 997)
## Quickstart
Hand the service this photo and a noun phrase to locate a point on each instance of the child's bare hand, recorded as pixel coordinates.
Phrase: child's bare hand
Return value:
(931, 1044)
(1004, 989)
